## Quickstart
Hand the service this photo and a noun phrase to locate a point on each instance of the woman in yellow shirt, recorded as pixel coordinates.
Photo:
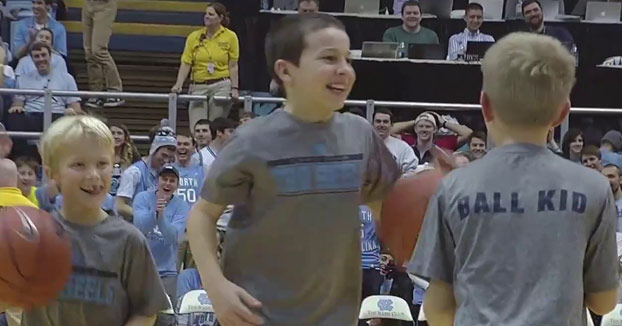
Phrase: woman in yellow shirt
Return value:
(211, 54)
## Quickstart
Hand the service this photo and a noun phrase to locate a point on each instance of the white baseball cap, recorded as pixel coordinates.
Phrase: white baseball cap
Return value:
(385, 307)
(426, 116)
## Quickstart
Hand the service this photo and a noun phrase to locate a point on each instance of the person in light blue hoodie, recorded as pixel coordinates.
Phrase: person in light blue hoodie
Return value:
(610, 147)
(161, 216)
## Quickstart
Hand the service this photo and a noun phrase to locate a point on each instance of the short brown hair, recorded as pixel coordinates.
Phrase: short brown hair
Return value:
(38, 46)
(287, 38)
(28, 161)
(479, 135)
(221, 10)
(411, 3)
(591, 150)
(246, 114)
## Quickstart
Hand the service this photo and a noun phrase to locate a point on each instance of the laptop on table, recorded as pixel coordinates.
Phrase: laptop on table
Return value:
(426, 51)
(475, 50)
(365, 7)
(603, 11)
(387, 50)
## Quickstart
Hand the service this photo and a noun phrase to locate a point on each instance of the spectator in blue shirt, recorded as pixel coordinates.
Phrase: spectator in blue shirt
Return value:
(31, 107)
(610, 147)
(27, 29)
(26, 112)
(161, 216)
(27, 65)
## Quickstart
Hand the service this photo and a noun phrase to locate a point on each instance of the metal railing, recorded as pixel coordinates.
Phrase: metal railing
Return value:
(174, 99)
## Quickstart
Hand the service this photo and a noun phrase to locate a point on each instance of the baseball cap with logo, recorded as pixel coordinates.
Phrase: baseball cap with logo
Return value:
(169, 169)
(385, 307)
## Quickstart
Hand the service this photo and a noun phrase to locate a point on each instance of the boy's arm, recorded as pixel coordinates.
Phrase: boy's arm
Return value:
(232, 304)
(136, 320)
(381, 172)
(601, 302)
(600, 276)
(440, 304)
(229, 181)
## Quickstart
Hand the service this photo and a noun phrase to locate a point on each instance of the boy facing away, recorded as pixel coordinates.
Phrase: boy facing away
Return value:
(114, 281)
(296, 178)
(520, 236)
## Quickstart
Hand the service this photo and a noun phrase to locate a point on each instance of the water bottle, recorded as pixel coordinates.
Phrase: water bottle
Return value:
(116, 179)
(575, 53)
(401, 50)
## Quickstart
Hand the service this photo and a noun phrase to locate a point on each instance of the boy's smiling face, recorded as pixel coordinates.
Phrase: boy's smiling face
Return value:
(324, 76)
(84, 173)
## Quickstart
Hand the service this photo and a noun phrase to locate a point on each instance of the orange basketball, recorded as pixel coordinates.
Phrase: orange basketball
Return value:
(35, 257)
(403, 209)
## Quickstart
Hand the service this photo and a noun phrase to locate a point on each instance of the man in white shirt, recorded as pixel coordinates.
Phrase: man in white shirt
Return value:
(474, 17)
(612, 172)
(402, 153)
(221, 129)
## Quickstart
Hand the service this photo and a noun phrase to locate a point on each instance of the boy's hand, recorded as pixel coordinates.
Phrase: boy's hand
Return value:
(233, 305)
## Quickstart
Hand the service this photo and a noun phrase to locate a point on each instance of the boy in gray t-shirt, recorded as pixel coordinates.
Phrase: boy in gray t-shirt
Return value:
(520, 237)
(114, 280)
(297, 177)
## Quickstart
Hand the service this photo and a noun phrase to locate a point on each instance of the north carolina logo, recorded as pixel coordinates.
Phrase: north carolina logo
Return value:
(203, 299)
(385, 305)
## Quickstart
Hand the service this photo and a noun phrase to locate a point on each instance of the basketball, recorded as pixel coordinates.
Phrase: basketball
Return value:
(36, 257)
(403, 209)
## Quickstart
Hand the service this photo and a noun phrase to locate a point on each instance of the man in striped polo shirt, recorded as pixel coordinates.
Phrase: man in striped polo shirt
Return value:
(474, 17)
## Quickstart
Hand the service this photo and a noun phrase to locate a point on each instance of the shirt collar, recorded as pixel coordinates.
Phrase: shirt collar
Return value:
(469, 33)
(10, 190)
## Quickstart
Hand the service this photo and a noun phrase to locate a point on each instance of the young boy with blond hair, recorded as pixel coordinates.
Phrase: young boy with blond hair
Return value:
(510, 239)
(114, 281)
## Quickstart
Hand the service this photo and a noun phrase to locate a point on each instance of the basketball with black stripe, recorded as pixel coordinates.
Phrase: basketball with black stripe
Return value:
(35, 257)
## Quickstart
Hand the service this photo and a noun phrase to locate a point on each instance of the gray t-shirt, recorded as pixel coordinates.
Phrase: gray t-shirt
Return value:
(522, 234)
(114, 277)
(293, 240)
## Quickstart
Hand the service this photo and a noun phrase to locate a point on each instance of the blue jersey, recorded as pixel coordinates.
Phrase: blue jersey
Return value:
(370, 245)
(190, 182)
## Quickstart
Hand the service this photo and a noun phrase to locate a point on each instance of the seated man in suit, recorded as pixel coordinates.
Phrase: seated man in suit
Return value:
(411, 31)
(474, 17)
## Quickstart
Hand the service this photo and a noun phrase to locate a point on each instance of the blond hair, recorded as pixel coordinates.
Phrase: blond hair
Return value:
(67, 130)
(528, 78)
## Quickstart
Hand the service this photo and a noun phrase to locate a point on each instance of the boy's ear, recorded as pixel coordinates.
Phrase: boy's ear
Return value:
(281, 69)
(487, 111)
(48, 172)
(563, 113)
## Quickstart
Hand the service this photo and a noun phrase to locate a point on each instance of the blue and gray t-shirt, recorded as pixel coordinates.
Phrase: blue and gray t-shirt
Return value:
(297, 187)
